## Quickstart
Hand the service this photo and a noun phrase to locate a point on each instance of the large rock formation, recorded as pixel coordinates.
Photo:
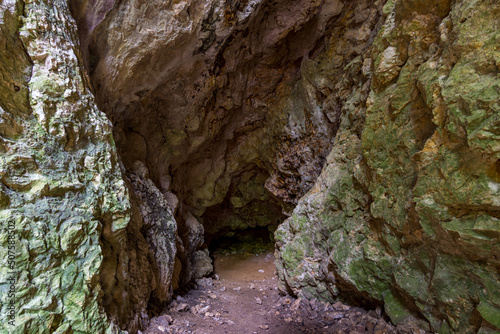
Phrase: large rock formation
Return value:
(61, 186)
(222, 102)
(73, 259)
(224, 115)
(405, 212)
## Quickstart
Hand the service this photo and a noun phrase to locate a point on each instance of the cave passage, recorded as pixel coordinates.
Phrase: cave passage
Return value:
(244, 255)
(252, 240)
(197, 126)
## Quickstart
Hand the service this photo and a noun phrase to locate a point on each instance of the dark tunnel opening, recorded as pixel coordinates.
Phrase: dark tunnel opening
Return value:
(252, 240)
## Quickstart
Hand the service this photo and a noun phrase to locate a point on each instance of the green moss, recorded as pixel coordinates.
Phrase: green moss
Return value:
(490, 313)
(395, 308)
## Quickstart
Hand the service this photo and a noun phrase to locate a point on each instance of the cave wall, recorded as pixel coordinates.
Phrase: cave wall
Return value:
(203, 92)
(61, 185)
(405, 212)
(229, 105)
(71, 250)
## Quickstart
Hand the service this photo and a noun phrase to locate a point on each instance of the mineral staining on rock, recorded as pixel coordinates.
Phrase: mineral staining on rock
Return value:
(77, 269)
(229, 98)
(405, 212)
(223, 102)
(61, 184)
(160, 230)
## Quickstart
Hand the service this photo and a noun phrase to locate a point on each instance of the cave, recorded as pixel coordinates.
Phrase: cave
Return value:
(223, 127)
(248, 206)
(323, 165)
(210, 124)
(251, 240)
(232, 123)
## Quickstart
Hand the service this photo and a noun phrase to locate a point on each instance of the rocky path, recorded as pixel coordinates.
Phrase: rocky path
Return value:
(243, 298)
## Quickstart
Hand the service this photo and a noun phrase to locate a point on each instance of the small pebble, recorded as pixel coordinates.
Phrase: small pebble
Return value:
(204, 309)
(183, 307)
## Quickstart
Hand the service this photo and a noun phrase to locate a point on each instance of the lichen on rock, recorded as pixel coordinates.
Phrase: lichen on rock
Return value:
(81, 263)
(406, 213)
(60, 176)
(376, 120)
(227, 104)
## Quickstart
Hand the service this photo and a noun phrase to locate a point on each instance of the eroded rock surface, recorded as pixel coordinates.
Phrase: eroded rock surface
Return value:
(405, 212)
(61, 185)
(232, 107)
(80, 263)
(218, 99)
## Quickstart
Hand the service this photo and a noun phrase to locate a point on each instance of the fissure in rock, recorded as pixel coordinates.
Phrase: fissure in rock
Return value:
(229, 149)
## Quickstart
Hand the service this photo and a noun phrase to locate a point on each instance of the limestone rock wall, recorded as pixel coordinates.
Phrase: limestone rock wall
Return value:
(160, 231)
(60, 179)
(405, 212)
(206, 93)
(72, 252)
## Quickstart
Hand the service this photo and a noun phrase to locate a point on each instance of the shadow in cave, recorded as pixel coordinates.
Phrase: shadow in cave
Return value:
(252, 240)
(244, 255)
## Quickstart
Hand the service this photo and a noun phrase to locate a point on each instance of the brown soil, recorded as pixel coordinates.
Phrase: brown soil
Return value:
(243, 298)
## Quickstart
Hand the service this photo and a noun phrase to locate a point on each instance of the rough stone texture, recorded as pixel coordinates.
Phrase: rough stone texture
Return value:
(159, 228)
(224, 114)
(81, 263)
(189, 243)
(202, 264)
(209, 94)
(405, 212)
(61, 185)
(228, 104)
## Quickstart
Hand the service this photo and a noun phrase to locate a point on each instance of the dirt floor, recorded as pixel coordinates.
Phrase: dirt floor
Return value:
(243, 298)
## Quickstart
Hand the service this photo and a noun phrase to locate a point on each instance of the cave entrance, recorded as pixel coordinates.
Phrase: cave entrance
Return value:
(244, 255)
(242, 225)
(252, 241)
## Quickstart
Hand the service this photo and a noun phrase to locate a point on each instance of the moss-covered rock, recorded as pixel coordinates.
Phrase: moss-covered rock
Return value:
(55, 203)
(423, 192)
(73, 258)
